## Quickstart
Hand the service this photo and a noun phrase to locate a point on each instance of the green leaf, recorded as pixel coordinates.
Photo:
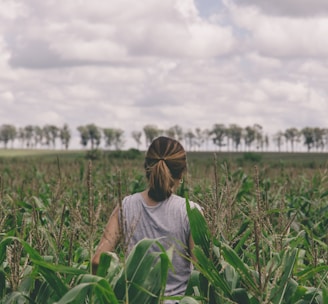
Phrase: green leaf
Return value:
(240, 296)
(104, 263)
(90, 286)
(310, 272)
(77, 294)
(325, 295)
(199, 229)
(47, 270)
(245, 273)
(278, 292)
(15, 297)
(243, 239)
(193, 283)
(2, 283)
(188, 300)
(145, 273)
(208, 269)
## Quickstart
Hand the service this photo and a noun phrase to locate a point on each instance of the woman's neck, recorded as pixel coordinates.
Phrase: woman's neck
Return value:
(148, 200)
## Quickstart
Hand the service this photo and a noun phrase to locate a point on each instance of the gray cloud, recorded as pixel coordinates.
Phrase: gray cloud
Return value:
(299, 8)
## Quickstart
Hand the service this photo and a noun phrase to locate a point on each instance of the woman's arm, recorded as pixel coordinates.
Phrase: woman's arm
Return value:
(109, 238)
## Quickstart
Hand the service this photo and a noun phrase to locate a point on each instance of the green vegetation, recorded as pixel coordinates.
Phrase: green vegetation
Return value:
(263, 237)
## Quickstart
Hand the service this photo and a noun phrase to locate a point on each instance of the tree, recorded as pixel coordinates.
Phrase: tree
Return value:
(109, 135)
(65, 136)
(175, 132)
(118, 140)
(308, 135)
(278, 139)
(28, 135)
(266, 141)
(47, 135)
(84, 134)
(94, 135)
(318, 135)
(189, 137)
(54, 134)
(50, 133)
(218, 133)
(259, 136)
(292, 135)
(207, 136)
(151, 132)
(136, 135)
(325, 137)
(236, 133)
(7, 133)
(38, 135)
(21, 136)
(249, 136)
(199, 137)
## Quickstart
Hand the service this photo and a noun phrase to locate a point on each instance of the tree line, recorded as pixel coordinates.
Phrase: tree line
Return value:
(232, 137)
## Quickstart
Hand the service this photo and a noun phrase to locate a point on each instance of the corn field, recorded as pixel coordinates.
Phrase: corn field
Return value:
(262, 237)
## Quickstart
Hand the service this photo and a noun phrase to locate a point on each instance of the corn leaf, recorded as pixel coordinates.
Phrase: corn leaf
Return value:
(311, 272)
(104, 263)
(144, 276)
(278, 292)
(188, 300)
(2, 283)
(199, 229)
(244, 271)
(239, 295)
(208, 269)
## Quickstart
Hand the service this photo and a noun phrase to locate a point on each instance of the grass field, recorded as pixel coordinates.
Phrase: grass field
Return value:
(297, 158)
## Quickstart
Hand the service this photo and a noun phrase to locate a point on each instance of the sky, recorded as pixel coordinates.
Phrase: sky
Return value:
(193, 63)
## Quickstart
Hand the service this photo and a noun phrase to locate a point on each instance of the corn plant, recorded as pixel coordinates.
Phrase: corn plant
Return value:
(225, 278)
(141, 279)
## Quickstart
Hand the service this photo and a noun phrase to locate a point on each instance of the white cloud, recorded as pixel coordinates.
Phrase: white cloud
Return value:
(280, 36)
(125, 64)
(11, 10)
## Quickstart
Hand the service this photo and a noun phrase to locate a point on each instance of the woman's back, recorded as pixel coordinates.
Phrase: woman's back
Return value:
(166, 221)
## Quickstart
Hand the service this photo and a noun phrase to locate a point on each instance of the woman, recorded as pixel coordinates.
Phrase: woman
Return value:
(157, 213)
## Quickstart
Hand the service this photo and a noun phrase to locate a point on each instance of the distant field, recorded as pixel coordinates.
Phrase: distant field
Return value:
(30, 152)
(298, 159)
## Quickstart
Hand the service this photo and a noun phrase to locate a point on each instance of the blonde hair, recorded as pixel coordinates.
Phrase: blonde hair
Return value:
(165, 162)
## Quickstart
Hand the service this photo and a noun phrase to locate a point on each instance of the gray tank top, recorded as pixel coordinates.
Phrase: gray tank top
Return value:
(167, 221)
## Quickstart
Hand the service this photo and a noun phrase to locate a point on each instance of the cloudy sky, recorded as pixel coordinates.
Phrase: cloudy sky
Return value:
(125, 64)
